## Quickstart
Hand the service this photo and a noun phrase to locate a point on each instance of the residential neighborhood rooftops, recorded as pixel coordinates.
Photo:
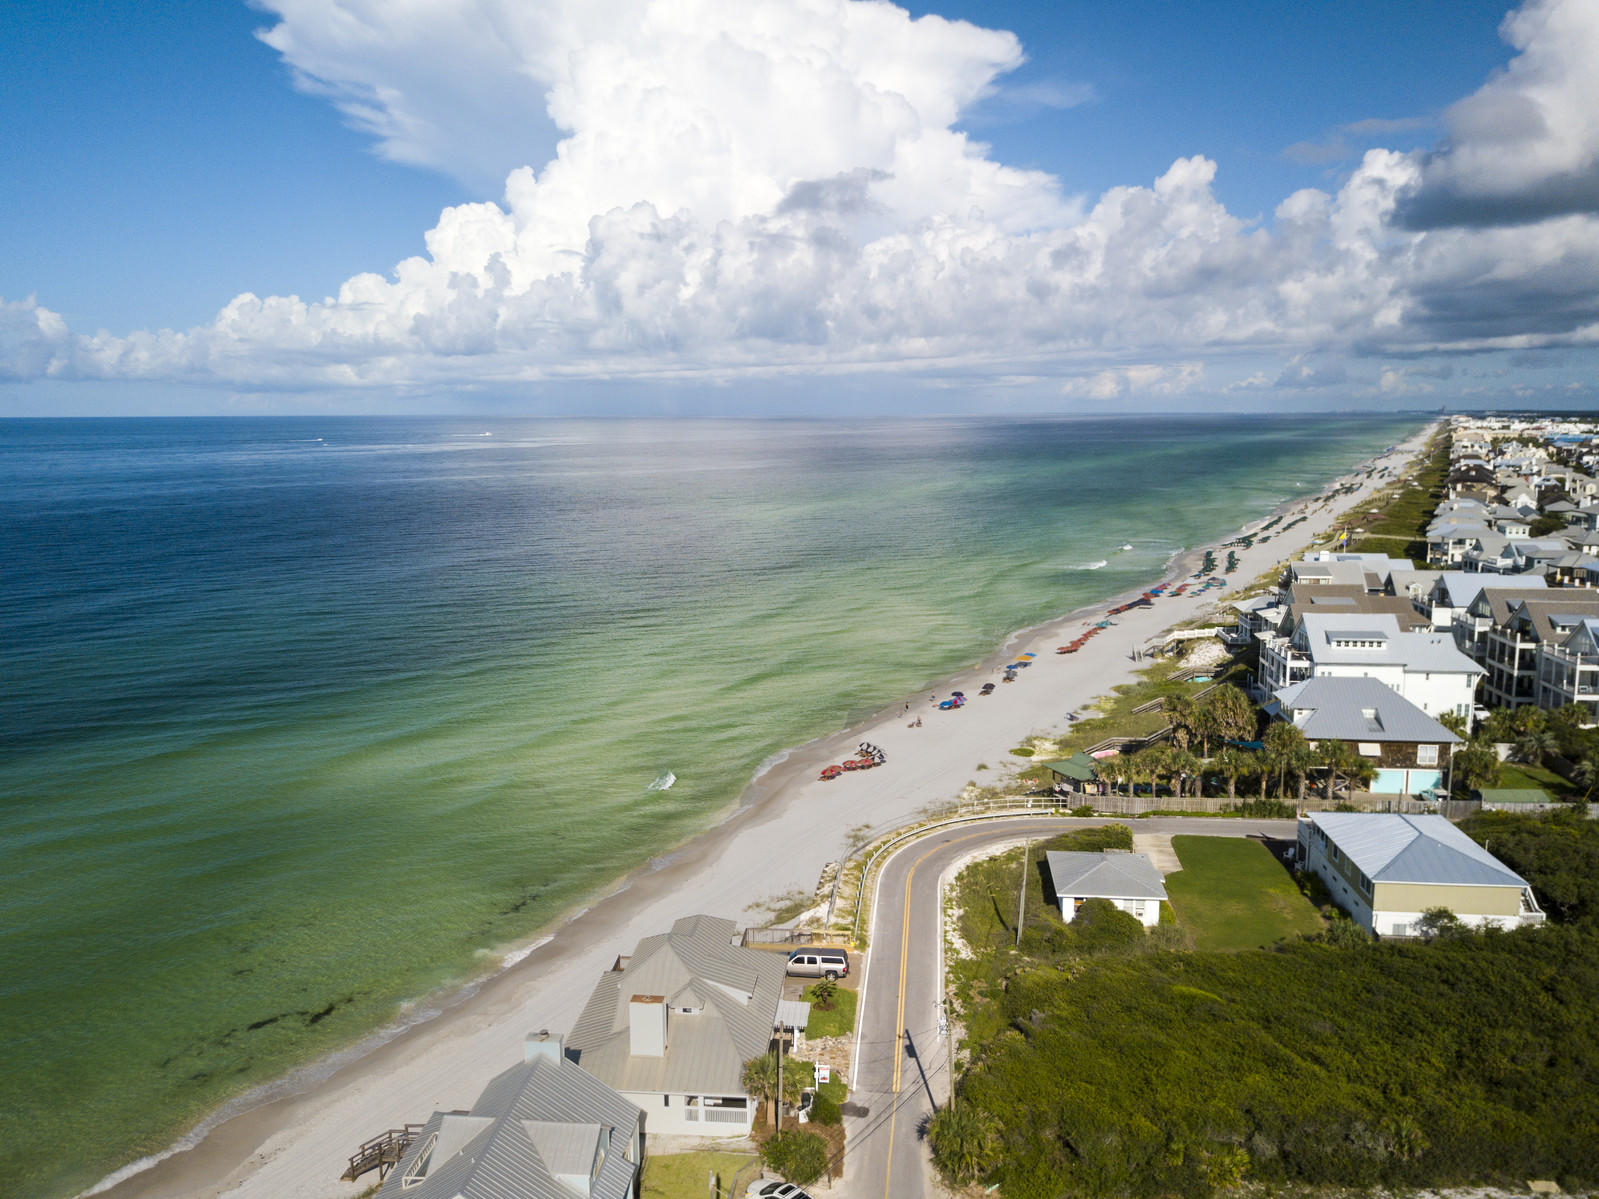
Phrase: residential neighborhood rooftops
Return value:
(1393, 848)
(1461, 587)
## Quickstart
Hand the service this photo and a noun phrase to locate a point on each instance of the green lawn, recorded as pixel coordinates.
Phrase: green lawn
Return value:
(687, 1175)
(1524, 775)
(1232, 894)
(839, 1022)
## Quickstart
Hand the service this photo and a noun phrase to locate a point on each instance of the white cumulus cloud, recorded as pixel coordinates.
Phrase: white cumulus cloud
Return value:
(696, 186)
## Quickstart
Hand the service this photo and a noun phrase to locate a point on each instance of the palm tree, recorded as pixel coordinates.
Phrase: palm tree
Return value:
(1336, 757)
(964, 1141)
(760, 1080)
(1474, 767)
(1359, 772)
(1228, 715)
(1533, 745)
(1153, 759)
(1230, 763)
(1180, 714)
(1585, 773)
(1180, 763)
(1283, 745)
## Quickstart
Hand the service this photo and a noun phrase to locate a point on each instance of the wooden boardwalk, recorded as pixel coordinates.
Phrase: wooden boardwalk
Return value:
(382, 1152)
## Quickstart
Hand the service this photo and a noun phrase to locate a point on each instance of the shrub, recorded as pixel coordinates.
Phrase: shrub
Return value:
(822, 992)
(1101, 927)
(1083, 809)
(1021, 751)
(825, 1110)
(797, 1155)
(1266, 809)
(964, 1142)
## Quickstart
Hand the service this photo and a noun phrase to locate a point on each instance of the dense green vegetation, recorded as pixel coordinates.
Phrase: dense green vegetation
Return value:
(1470, 1059)
(1558, 853)
(1107, 1065)
(1400, 531)
(1551, 749)
(1232, 894)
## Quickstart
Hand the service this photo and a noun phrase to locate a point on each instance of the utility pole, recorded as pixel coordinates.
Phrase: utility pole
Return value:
(777, 1108)
(1021, 897)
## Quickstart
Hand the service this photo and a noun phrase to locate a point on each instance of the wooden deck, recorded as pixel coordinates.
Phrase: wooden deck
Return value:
(382, 1152)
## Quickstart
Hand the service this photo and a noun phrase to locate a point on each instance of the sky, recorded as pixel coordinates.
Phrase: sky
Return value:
(797, 206)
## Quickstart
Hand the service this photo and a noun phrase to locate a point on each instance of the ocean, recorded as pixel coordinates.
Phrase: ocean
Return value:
(306, 719)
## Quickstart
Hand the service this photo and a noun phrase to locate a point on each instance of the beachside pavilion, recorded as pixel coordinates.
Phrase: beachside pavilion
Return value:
(1075, 772)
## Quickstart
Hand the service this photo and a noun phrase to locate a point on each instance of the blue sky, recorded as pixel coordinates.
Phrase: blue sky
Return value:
(709, 238)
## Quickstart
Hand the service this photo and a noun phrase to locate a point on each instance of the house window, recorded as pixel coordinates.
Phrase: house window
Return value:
(1370, 749)
(1426, 755)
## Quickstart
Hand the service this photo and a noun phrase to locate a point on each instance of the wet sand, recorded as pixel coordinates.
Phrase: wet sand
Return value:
(787, 826)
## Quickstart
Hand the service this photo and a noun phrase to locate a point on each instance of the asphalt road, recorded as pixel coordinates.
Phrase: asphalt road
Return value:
(902, 1058)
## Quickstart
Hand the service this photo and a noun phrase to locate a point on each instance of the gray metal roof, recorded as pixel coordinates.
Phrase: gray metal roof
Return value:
(1434, 653)
(1334, 709)
(734, 993)
(1390, 848)
(534, 1123)
(1104, 875)
(1463, 586)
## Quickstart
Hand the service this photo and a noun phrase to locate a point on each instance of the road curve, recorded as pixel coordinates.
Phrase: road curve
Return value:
(901, 1064)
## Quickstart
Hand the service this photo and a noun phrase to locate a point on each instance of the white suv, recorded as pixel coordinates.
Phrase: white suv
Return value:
(818, 963)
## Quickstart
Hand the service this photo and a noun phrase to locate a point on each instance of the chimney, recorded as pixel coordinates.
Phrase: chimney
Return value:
(543, 1044)
(646, 1022)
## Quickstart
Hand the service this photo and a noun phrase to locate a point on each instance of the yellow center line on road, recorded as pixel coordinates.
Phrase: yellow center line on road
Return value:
(899, 1016)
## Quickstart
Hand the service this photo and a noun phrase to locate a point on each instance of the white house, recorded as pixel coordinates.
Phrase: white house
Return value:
(671, 1027)
(1128, 880)
(1386, 870)
(1423, 667)
(545, 1128)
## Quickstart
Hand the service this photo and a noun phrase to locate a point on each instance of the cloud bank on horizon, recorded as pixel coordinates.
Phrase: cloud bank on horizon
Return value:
(781, 185)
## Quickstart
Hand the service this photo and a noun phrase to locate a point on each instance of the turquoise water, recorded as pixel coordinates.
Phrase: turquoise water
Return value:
(305, 717)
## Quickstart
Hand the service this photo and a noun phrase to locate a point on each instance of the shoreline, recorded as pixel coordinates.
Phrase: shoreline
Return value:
(290, 1137)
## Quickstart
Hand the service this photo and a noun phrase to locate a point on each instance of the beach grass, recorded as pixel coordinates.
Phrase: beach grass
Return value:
(1407, 509)
(1232, 894)
(687, 1175)
(839, 1022)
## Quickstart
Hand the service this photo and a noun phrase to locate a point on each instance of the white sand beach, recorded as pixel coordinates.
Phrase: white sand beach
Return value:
(787, 827)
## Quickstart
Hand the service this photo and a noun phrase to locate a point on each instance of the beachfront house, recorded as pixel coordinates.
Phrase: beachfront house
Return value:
(1424, 667)
(1450, 597)
(1526, 631)
(1408, 749)
(544, 1129)
(671, 1026)
(1387, 870)
(1128, 880)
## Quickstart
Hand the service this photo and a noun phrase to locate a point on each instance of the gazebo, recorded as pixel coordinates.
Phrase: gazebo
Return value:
(1075, 771)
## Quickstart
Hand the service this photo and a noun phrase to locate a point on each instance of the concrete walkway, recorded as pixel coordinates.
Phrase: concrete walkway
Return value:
(1158, 847)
